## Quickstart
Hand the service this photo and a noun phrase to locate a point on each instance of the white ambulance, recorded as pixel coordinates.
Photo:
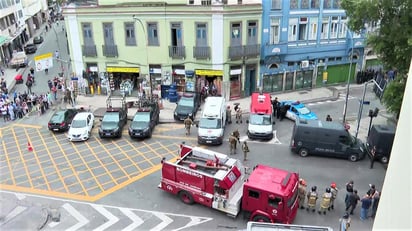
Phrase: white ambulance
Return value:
(212, 123)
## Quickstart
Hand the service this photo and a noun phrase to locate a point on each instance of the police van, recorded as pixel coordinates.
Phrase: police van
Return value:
(212, 123)
(323, 138)
(260, 118)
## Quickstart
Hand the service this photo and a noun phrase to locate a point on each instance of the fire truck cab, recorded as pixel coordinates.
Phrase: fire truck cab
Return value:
(260, 119)
(218, 181)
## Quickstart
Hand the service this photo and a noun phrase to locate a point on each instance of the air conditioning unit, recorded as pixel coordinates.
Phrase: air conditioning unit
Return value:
(304, 64)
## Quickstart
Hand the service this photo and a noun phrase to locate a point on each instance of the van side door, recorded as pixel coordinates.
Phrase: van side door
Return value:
(344, 143)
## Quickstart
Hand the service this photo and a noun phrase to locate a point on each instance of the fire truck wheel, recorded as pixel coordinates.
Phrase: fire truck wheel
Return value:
(260, 218)
(186, 197)
(303, 152)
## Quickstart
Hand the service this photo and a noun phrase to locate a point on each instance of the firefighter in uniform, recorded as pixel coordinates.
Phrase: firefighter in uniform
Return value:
(236, 134)
(334, 191)
(302, 193)
(228, 115)
(325, 203)
(245, 150)
(188, 123)
(232, 143)
(312, 198)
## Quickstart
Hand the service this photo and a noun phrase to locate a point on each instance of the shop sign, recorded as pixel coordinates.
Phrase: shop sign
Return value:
(235, 72)
(123, 69)
(209, 72)
(190, 74)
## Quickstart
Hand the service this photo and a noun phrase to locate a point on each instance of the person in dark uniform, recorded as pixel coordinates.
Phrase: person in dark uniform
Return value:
(372, 157)
(275, 104)
(328, 118)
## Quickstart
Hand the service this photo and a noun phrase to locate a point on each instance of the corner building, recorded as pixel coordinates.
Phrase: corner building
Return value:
(191, 43)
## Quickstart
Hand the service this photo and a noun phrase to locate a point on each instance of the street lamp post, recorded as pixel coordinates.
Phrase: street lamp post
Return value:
(345, 108)
(147, 55)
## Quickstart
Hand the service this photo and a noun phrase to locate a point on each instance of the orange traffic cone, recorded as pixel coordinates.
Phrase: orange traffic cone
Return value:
(29, 147)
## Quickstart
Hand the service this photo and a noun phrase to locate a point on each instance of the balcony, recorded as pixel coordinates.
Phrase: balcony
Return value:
(251, 51)
(177, 52)
(235, 52)
(110, 50)
(89, 50)
(201, 52)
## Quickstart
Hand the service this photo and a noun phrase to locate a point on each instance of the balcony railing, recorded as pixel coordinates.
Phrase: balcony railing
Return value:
(110, 50)
(177, 51)
(235, 52)
(89, 50)
(251, 50)
(201, 52)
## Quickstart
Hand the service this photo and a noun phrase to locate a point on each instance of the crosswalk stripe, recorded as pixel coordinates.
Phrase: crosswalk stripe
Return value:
(136, 220)
(111, 218)
(77, 215)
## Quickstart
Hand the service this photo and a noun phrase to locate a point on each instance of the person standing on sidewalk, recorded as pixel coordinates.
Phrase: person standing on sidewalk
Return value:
(353, 201)
(302, 193)
(375, 202)
(366, 204)
(334, 191)
(372, 157)
(245, 150)
(344, 222)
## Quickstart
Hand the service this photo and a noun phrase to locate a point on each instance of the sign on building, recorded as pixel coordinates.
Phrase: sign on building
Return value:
(44, 61)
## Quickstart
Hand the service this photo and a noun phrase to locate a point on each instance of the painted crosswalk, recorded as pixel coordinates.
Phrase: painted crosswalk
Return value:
(342, 97)
(28, 209)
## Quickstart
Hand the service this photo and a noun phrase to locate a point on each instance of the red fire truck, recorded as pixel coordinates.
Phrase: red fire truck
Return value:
(218, 181)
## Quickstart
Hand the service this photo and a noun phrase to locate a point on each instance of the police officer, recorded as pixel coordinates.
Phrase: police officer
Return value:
(302, 193)
(245, 150)
(334, 191)
(312, 198)
(372, 157)
(325, 203)
(275, 104)
(238, 115)
(236, 134)
(232, 143)
(228, 115)
(188, 123)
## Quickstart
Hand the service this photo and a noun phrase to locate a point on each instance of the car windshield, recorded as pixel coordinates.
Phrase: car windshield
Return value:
(111, 117)
(257, 119)
(142, 117)
(185, 102)
(303, 110)
(210, 123)
(78, 124)
(58, 117)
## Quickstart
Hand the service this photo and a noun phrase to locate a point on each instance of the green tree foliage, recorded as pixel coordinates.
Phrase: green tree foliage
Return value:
(392, 41)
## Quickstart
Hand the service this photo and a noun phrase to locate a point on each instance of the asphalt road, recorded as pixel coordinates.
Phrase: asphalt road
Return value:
(113, 183)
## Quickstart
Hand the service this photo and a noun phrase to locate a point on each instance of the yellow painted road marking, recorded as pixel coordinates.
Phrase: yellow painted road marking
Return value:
(127, 156)
(174, 137)
(37, 158)
(67, 161)
(101, 164)
(109, 154)
(27, 126)
(22, 158)
(139, 152)
(8, 162)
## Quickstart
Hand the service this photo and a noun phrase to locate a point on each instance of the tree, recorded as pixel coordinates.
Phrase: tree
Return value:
(392, 41)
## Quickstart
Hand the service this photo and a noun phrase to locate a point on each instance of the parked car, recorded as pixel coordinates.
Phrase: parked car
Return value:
(30, 48)
(113, 122)
(61, 120)
(81, 126)
(296, 109)
(187, 105)
(144, 121)
(38, 40)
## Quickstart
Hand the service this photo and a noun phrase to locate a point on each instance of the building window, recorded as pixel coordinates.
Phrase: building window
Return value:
(274, 30)
(325, 28)
(334, 27)
(236, 34)
(313, 28)
(294, 4)
(292, 29)
(314, 4)
(176, 32)
(153, 36)
(87, 34)
(302, 28)
(327, 4)
(276, 4)
(17, 1)
(108, 33)
(191, 2)
(239, 2)
(343, 27)
(20, 13)
(206, 2)
(130, 34)
(336, 4)
(304, 4)
(252, 33)
(201, 35)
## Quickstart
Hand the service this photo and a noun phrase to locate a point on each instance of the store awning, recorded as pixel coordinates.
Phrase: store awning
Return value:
(3, 40)
(123, 69)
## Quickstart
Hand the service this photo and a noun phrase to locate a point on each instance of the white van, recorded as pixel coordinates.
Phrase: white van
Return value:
(212, 123)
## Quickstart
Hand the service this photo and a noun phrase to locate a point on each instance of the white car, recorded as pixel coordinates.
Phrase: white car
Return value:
(81, 126)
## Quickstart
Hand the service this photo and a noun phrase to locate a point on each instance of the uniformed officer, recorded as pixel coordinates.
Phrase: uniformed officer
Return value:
(312, 198)
(245, 150)
(188, 123)
(325, 203)
(236, 134)
(372, 156)
(232, 143)
(302, 193)
(334, 191)
(228, 115)
(239, 115)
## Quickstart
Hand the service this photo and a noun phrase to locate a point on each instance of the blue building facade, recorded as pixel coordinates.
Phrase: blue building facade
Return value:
(305, 44)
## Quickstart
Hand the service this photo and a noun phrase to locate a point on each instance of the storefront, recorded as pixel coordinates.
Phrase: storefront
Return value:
(210, 80)
(235, 82)
(273, 83)
(179, 78)
(155, 76)
(190, 81)
(124, 79)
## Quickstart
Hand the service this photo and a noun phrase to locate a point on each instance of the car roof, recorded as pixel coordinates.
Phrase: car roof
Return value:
(81, 115)
(294, 103)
